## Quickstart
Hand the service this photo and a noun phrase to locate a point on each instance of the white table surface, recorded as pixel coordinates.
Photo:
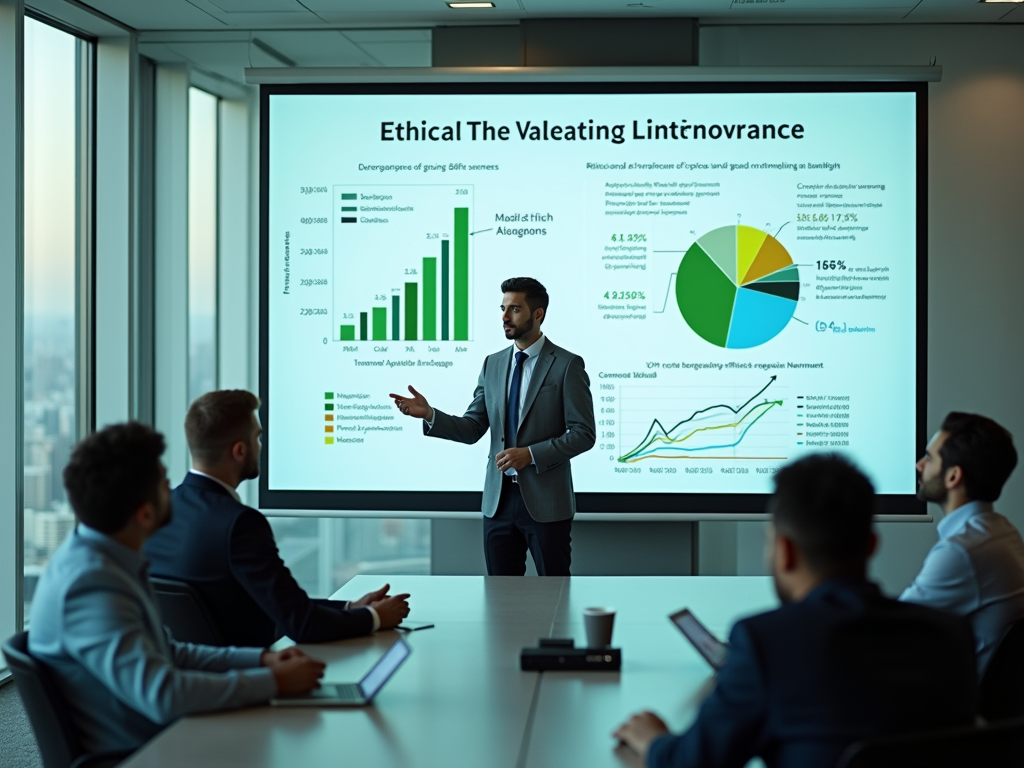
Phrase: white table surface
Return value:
(461, 699)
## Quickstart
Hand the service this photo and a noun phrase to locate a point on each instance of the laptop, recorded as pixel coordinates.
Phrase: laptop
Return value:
(352, 694)
(710, 647)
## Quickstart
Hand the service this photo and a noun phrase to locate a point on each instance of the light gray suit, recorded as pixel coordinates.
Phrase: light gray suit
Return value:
(557, 423)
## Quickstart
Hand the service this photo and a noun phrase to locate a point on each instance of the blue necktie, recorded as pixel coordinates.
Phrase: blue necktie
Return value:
(512, 422)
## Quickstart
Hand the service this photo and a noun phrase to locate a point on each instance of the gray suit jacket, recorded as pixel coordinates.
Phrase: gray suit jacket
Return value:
(557, 423)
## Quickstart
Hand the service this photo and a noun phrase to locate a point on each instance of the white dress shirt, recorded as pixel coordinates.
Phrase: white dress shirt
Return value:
(975, 570)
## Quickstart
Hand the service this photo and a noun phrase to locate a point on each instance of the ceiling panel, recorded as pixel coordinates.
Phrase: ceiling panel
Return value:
(271, 20)
(326, 48)
(257, 6)
(388, 35)
(587, 8)
(442, 15)
(400, 54)
(821, 6)
(157, 14)
(956, 11)
(1016, 16)
(321, 7)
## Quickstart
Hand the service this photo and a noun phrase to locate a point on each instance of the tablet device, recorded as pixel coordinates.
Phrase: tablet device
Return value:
(352, 694)
(710, 647)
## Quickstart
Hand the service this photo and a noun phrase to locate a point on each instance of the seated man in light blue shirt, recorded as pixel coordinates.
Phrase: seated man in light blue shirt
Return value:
(977, 567)
(95, 623)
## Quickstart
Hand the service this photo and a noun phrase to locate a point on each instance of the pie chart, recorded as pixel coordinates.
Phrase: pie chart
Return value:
(737, 287)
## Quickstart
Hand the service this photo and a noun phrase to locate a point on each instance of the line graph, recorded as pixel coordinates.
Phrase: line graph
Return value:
(755, 428)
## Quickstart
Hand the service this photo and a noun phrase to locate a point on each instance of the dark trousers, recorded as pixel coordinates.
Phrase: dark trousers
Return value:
(512, 531)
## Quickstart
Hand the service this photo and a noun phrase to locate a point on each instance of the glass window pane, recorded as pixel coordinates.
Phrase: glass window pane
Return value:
(324, 553)
(51, 164)
(202, 242)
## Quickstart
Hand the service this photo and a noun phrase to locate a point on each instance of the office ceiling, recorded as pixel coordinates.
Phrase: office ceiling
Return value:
(223, 37)
(323, 14)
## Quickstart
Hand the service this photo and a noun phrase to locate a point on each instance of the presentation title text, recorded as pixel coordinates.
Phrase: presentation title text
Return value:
(482, 130)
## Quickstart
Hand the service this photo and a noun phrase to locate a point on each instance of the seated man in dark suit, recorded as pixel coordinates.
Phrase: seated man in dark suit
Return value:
(838, 662)
(226, 550)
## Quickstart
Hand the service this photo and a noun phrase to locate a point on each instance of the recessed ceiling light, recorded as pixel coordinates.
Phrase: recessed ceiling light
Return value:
(470, 5)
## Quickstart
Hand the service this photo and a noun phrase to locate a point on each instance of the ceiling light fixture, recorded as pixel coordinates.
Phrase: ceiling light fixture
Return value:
(1001, 1)
(470, 5)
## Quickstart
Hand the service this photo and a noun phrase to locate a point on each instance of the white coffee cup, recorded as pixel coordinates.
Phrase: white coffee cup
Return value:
(599, 623)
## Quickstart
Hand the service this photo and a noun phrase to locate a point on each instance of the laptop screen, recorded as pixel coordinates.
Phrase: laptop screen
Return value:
(385, 668)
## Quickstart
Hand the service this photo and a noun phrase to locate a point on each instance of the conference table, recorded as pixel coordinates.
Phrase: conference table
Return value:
(461, 699)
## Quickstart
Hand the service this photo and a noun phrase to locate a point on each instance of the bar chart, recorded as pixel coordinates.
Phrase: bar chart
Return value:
(401, 262)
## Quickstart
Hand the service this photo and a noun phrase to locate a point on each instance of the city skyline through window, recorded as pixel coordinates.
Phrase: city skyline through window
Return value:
(51, 230)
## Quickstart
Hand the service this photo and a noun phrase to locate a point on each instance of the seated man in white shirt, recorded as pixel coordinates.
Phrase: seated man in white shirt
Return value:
(976, 569)
(95, 623)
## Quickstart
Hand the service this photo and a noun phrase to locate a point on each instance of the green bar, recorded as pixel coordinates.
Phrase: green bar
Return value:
(348, 208)
(462, 274)
(380, 323)
(395, 307)
(328, 406)
(430, 298)
(444, 290)
(328, 395)
(362, 326)
(348, 195)
(347, 333)
(411, 290)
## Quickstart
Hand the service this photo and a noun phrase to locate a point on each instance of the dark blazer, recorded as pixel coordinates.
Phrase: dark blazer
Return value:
(557, 423)
(226, 550)
(805, 681)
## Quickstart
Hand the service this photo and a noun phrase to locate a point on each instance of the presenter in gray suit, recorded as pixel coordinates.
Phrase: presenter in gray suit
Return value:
(536, 396)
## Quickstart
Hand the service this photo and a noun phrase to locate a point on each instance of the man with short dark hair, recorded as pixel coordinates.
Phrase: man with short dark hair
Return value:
(838, 662)
(976, 569)
(227, 552)
(95, 623)
(535, 399)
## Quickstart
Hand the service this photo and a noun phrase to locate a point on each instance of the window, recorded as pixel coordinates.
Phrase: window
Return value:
(202, 242)
(324, 553)
(55, 63)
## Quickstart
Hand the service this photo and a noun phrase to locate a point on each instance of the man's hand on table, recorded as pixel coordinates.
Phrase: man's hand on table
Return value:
(639, 731)
(391, 610)
(294, 671)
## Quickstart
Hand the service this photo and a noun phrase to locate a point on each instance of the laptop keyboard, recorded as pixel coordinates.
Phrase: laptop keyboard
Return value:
(349, 691)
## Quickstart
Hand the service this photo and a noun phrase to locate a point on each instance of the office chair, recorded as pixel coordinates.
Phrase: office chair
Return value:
(1001, 694)
(186, 613)
(984, 746)
(58, 739)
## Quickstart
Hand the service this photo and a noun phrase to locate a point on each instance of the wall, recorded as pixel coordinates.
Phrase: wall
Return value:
(975, 196)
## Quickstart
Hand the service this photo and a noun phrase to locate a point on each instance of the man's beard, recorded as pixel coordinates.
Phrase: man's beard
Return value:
(519, 331)
(933, 490)
(784, 596)
(251, 470)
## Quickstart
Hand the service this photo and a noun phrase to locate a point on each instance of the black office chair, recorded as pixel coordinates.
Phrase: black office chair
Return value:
(58, 739)
(1001, 695)
(985, 746)
(184, 611)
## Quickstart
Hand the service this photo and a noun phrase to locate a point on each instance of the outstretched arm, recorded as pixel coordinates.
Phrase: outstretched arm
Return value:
(468, 428)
